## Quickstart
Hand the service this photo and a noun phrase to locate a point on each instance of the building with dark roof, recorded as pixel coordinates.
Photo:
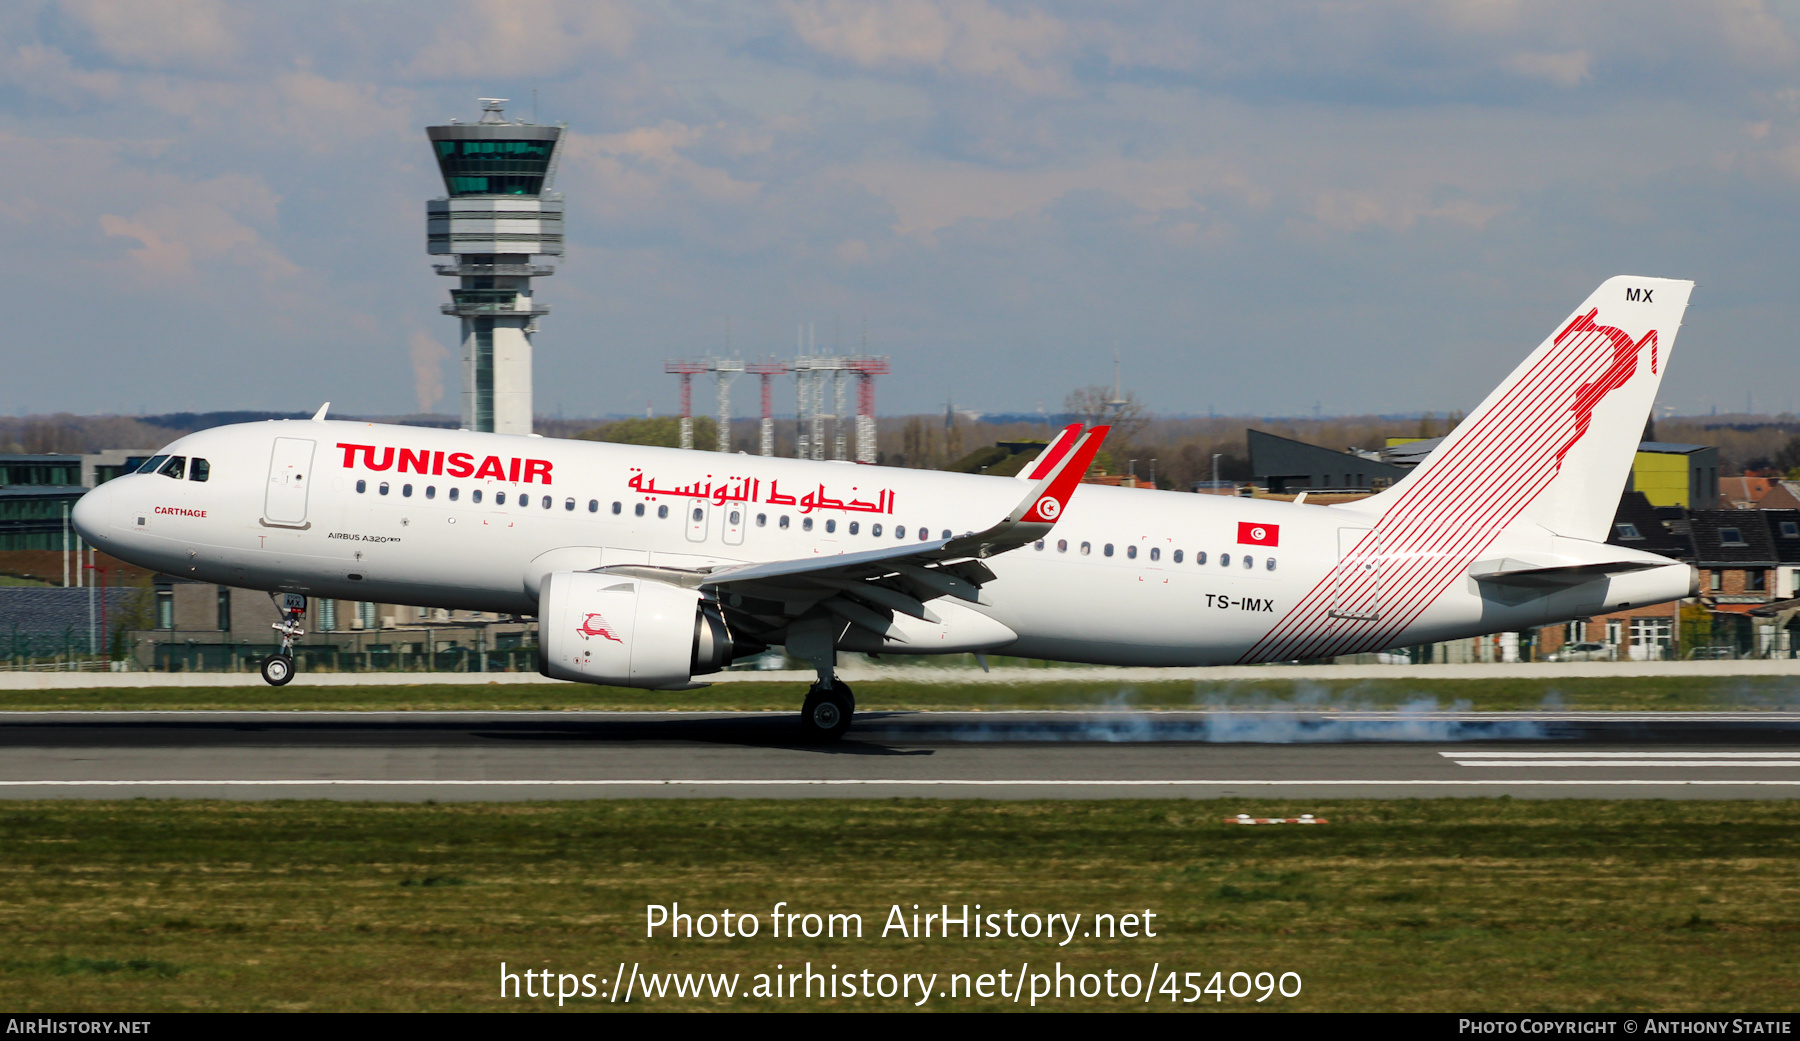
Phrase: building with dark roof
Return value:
(1736, 555)
(1282, 464)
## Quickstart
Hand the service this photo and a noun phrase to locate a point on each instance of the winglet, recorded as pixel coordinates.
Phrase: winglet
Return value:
(1052, 454)
(1053, 492)
(1036, 513)
(319, 416)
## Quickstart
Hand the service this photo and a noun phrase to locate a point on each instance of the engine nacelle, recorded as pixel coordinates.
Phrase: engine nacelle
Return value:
(627, 632)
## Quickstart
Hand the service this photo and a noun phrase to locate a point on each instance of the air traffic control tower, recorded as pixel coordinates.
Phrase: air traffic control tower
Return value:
(499, 223)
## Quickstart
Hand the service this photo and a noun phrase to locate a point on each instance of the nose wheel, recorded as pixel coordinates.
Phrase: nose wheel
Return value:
(277, 669)
(826, 714)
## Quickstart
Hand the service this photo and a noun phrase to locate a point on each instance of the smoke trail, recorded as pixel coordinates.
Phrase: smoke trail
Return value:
(1311, 718)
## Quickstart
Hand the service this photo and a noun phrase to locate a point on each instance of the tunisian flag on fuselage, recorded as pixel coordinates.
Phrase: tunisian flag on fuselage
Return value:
(1258, 534)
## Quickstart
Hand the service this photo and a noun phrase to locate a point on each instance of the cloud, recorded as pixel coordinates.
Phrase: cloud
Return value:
(159, 34)
(1565, 69)
(505, 39)
(970, 38)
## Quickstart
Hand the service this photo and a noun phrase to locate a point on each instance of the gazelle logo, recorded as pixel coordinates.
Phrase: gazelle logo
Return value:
(1048, 507)
(595, 625)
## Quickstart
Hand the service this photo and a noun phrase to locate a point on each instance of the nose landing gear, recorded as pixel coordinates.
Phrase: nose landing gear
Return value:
(278, 668)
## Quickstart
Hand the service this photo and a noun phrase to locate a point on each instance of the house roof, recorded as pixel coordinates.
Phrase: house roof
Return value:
(1787, 547)
(1671, 447)
(1784, 496)
(1753, 546)
(1653, 534)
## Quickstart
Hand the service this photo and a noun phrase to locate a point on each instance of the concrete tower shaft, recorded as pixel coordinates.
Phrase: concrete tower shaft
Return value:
(500, 221)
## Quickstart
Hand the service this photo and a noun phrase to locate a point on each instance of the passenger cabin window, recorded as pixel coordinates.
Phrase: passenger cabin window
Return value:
(454, 492)
(499, 497)
(361, 487)
(875, 530)
(699, 514)
(200, 470)
(784, 522)
(1038, 545)
(545, 502)
(1271, 564)
(1155, 553)
(855, 527)
(1131, 552)
(1108, 549)
(830, 526)
(475, 496)
(762, 520)
(640, 509)
(1086, 548)
(1177, 557)
(899, 531)
(1062, 545)
(1249, 562)
(1200, 557)
(406, 491)
(383, 489)
(431, 491)
(569, 504)
(1224, 560)
(175, 467)
(805, 523)
(617, 506)
(662, 513)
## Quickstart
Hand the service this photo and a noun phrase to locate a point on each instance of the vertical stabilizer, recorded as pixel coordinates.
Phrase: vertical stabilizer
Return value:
(1554, 443)
(1550, 448)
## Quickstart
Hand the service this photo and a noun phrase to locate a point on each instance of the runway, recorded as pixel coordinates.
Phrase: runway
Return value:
(987, 755)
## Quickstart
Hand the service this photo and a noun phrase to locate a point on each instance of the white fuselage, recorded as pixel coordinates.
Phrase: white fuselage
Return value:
(1127, 576)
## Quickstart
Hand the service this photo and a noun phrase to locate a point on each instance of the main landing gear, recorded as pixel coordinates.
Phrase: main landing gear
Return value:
(826, 714)
(278, 668)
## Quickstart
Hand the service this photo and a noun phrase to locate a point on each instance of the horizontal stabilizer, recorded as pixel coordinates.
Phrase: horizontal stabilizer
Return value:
(1522, 573)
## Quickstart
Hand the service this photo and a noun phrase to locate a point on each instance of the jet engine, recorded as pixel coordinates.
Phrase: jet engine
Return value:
(629, 632)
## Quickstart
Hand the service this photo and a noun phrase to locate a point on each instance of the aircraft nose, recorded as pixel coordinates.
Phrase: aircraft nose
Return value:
(91, 515)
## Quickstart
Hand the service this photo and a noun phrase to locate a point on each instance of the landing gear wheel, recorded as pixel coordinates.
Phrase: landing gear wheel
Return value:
(277, 669)
(826, 714)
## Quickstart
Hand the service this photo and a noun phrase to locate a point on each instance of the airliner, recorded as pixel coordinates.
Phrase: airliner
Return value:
(654, 567)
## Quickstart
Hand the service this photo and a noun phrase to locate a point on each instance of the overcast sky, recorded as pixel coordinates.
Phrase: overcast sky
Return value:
(1265, 207)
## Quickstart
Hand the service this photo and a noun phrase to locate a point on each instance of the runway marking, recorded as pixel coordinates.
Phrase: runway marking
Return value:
(1615, 760)
(1619, 755)
(867, 782)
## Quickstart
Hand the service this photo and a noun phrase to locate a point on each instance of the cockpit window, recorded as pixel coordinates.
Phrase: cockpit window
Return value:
(175, 467)
(200, 470)
(153, 464)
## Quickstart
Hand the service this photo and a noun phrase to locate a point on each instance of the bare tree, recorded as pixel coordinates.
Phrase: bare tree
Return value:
(1100, 404)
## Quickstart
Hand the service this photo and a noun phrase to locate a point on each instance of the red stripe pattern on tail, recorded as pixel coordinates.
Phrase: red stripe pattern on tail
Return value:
(1455, 510)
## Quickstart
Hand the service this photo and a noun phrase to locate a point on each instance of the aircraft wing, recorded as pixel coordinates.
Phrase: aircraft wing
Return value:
(867, 587)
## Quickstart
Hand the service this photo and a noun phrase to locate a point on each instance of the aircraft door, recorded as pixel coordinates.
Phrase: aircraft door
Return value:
(1356, 581)
(732, 525)
(698, 519)
(290, 471)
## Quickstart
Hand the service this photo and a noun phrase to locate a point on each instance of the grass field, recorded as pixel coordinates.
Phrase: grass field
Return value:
(1663, 693)
(1418, 905)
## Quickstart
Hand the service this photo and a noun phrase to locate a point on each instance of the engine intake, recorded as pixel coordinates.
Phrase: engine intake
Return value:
(628, 632)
